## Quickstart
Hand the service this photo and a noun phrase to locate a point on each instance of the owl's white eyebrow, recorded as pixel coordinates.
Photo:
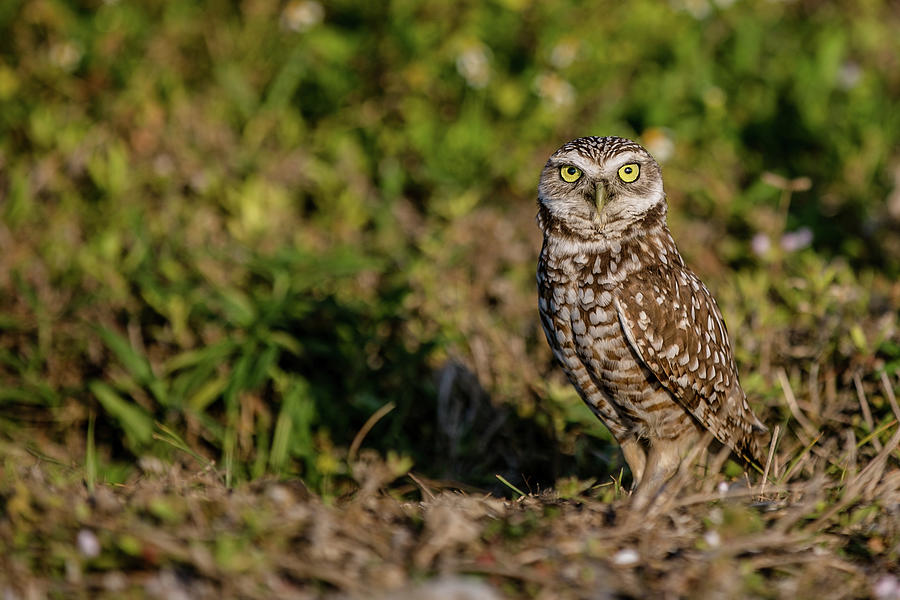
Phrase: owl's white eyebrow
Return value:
(575, 161)
(626, 158)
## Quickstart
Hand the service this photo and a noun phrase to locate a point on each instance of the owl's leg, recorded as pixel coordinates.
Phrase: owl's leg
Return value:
(636, 457)
(664, 456)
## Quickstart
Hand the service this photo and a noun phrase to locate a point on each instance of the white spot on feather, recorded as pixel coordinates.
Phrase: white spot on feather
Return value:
(635, 263)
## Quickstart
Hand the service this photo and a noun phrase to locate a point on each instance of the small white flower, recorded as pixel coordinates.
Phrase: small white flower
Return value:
(555, 89)
(887, 588)
(473, 64)
(797, 240)
(658, 141)
(302, 16)
(849, 75)
(626, 557)
(760, 244)
(66, 56)
(712, 538)
(699, 9)
(563, 54)
(88, 544)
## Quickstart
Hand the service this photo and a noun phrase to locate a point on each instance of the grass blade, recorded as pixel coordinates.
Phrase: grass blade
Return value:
(90, 457)
(133, 419)
(504, 481)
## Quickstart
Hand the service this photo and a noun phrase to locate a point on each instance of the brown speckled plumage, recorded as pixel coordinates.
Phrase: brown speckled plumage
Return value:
(638, 334)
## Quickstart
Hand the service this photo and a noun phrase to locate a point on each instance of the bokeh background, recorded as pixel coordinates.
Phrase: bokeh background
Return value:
(232, 232)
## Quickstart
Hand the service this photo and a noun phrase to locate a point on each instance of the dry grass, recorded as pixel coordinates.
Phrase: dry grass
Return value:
(825, 527)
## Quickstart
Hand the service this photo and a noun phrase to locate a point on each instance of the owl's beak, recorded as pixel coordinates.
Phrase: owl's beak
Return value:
(599, 196)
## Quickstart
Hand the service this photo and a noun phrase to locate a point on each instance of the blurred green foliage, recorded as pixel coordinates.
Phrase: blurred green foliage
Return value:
(253, 224)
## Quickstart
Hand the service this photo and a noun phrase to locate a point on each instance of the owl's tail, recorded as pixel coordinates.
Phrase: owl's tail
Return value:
(753, 447)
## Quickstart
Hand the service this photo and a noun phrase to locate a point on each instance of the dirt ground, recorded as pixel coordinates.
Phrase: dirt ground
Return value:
(178, 532)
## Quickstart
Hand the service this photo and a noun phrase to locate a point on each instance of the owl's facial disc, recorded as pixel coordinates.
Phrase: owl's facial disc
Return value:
(596, 186)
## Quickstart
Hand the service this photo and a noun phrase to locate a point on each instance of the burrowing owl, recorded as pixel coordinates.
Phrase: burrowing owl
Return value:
(638, 334)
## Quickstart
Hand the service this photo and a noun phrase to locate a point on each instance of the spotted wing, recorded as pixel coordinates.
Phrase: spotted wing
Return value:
(674, 325)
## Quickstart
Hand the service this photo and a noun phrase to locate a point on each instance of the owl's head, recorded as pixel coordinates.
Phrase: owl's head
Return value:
(596, 184)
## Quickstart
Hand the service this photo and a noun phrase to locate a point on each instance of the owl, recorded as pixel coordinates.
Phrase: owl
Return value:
(637, 333)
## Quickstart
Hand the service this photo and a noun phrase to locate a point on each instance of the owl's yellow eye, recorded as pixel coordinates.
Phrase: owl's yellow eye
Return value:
(629, 173)
(570, 174)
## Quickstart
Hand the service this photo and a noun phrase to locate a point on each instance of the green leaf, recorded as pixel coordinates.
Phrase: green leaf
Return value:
(207, 393)
(133, 419)
(293, 428)
(135, 363)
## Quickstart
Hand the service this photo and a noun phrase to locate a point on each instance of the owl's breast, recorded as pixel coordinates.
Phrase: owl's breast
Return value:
(578, 313)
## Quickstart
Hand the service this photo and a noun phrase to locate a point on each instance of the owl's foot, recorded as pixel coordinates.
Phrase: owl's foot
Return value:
(636, 457)
(662, 462)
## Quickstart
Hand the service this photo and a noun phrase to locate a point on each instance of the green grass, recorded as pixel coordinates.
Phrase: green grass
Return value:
(234, 234)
